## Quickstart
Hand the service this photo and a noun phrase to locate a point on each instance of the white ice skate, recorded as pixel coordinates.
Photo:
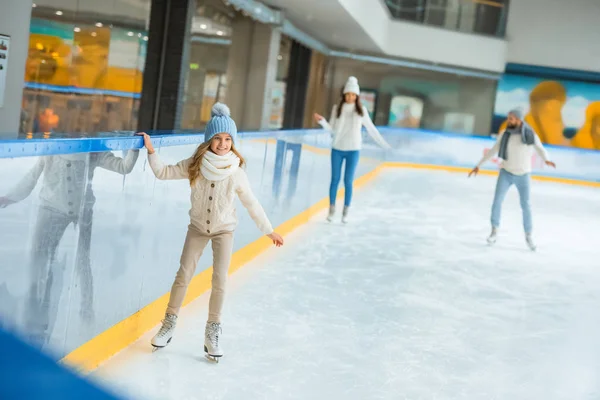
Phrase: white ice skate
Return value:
(331, 213)
(211, 341)
(493, 236)
(165, 333)
(345, 215)
(530, 242)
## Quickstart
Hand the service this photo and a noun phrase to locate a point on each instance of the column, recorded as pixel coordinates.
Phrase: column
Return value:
(251, 72)
(15, 17)
(166, 64)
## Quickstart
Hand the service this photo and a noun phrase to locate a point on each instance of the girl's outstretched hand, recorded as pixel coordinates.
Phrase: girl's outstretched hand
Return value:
(276, 238)
(147, 142)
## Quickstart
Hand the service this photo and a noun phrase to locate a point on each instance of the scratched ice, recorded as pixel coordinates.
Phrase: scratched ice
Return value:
(405, 302)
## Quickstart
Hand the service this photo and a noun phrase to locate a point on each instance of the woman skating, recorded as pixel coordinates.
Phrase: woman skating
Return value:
(345, 124)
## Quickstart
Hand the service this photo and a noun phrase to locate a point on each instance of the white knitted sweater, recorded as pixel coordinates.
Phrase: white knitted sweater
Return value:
(347, 129)
(213, 202)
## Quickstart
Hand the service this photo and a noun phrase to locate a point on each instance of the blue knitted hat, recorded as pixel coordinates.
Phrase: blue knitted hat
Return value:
(220, 122)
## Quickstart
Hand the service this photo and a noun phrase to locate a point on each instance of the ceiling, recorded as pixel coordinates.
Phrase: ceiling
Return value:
(327, 21)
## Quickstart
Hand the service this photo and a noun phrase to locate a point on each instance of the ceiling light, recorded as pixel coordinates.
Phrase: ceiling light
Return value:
(59, 13)
(34, 5)
(146, 38)
(129, 33)
(99, 24)
(94, 34)
(280, 57)
(77, 29)
(203, 26)
(220, 33)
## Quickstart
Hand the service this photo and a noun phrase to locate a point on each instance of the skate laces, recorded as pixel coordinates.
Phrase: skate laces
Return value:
(214, 330)
(167, 325)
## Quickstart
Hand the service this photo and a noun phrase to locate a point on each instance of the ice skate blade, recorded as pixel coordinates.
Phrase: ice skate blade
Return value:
(156, 348)
(211, 357)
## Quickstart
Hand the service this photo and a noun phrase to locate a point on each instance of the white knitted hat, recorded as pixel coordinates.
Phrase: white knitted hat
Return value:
(352, 86)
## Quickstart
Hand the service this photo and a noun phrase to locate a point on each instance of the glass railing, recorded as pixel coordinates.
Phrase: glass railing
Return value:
(482, 17)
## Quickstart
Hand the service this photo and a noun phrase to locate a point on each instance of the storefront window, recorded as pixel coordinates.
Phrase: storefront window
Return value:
(279, 88)
(85, 66)
(413, 98)
(206, 81)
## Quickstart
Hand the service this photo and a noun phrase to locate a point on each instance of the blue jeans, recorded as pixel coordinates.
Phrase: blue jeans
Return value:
(505, 181)
(337, 158)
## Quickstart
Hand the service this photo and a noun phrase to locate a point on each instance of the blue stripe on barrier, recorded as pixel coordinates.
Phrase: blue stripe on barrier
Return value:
(47, 147)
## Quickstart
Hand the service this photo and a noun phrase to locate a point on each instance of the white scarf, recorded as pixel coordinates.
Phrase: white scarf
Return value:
(217, 168)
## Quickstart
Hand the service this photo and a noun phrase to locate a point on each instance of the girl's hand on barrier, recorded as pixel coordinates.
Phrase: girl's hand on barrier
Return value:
(276, 238)
(318, 118)
(5, 202)
(551, 164)
(147, 142)
(475, 171)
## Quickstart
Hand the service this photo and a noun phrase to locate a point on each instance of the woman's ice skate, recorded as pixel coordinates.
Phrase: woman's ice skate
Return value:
(331, 213)
(493, 236)
(530, 242)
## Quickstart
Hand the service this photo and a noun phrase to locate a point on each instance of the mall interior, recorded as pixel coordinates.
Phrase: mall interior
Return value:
(404, 299)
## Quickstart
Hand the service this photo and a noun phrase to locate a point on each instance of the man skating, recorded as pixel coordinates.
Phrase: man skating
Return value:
(515, 147)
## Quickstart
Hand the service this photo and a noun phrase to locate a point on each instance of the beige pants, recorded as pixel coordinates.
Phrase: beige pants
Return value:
(195, 242)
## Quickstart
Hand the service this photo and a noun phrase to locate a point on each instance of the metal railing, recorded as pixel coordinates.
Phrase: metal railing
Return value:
(482, 17)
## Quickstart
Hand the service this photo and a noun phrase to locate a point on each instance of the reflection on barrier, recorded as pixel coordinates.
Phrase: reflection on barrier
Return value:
(89, 237)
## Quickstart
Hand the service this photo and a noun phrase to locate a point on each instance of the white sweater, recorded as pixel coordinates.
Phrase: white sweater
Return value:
(519, 154)
(347, 129)
(213, 202)
(66, 178)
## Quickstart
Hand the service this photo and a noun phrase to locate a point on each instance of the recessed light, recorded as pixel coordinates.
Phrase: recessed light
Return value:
(146, 38)
(139, 35)
(99, 24)
(77, 29)
(43, 61)
(220, 33)
(203, 26)
(129, 33)
(59, 13)
(34, 5)
(94, 34)
(280, 57)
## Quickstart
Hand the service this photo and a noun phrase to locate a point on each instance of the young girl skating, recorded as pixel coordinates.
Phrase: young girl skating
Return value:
(345, 124)
(216, 177)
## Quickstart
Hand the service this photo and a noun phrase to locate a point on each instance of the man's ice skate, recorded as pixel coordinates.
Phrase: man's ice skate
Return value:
(331, 213)
(211, 341)
(493, 236)
(530, 242)
(165, 333)
(345, 214)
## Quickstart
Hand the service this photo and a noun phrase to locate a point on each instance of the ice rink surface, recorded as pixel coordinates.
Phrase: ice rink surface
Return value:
(405, 302)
